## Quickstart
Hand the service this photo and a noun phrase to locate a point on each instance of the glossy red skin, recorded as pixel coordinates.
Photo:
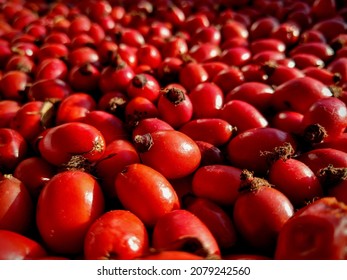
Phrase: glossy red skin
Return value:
(339, 66)
(117, 235)
(330, 27)
(321, 50)
(17, 208)
(13, 149)
(242, 115)
(207, 100)
(179, 229)
(61, 142)
(321, 74)
(144, 85)
(155, 195)
(8, 110)
(236, 56)
(319, 158)
(288, 97)
(83, 55)
(287, 32)
(34, 172)
(128, 55)
(110, 126)
(13, 85)
(288, 121)
(317, 231)
(57, 37)
(170, 255)
(234, 29)
(244, 150)
(210, 154)
(149, 55)
(260, 215)
(339, 143)
(174, 110)
(181, 153)
(150, 125)
(58, 90)
(74, 107)
(209, 34)
(263, 27)
(305, 60)
(78, 196)
(15, 246)
(51, 68)
(139, 108)
(218, 182)
(216, 219)
(339, 191)
(52, 50)
(191, 75)
(211, 130)
(331, 113)
(21, 63)
(257, 94)
(279, 74)
(118, 154)
(228, 79)
(213, 68)
(267, 44)
(194, 22)
(28, 120)
(311, 35)
(204, 52)
(295, 180)
(115, 78)
(84, 78)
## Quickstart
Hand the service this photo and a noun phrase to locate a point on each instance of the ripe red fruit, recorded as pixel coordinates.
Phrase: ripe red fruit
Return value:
(144, 85)
(181, 153)
(182, 230)
(175, 106)
(78, 196)
(118, 154)
(215, 218)
(192, 74)
(34, 172)
(317, 231)
(292, 177)
(211, 130)
(154, 197)
(8, 109)
(207, 99)
(15, 246)
(116, 235)
(245, 150)
(217, 182)
(72, 143)
(299, 94)
(328, 115)
(16, 205)
(13, 149)
(242, 115)
(260, 212)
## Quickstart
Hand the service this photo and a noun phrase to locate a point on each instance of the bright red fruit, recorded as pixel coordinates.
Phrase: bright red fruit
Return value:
(15, 246)
(65, 143)
(16, 205)
(116, 235)
(182, 230)
(68, 204)
(260, 212)
(317, 231)
(181, 153)
(154, 197)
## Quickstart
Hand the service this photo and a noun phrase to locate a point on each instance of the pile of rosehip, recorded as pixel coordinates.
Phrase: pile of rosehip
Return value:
(173, 129)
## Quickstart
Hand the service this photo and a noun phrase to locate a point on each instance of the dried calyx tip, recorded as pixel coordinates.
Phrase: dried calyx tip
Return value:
(284, 152)
(143, 142)
(251, 183)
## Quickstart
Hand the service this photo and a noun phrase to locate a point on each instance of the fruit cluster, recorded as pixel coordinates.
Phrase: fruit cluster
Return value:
(173, 129)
